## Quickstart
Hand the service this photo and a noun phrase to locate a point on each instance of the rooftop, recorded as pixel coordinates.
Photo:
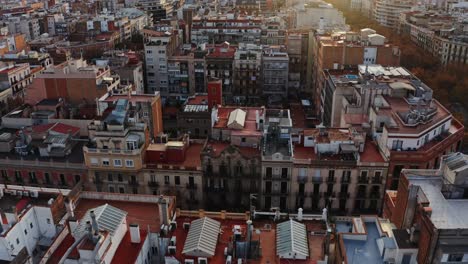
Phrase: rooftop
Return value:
(446, 213)
(264, 232)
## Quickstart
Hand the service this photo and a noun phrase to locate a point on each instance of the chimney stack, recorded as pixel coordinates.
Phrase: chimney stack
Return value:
(135, 233)
(163, 210)
(95, 227)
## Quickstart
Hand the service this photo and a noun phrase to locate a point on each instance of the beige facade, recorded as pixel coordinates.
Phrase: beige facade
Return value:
(186, 185)
(345, 186)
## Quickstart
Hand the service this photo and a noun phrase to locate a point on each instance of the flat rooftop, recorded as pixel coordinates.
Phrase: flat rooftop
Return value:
(446, 213)
(358, 251)
(266, 236)
(144, 214)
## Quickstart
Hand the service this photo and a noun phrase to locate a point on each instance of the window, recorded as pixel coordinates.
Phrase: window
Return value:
(149, 51)
(17, 241)
(109, 177)
(397, 144)
(105, 162)
(455, 257)
(243, 140)
(94, 161)
(111, 189)
(119, 177)
(48, 221)
(131, 145)
(47, 177)
(25, 231)
(117, 163)
(177, 180)
(166, 180)
(121, 189)
(302, 172)
(31, 225)
(129, 163)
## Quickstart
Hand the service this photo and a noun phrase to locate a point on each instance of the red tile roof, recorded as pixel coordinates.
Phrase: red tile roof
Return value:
(143, 214)
(55, 127)
(127, 250)
(371, 153)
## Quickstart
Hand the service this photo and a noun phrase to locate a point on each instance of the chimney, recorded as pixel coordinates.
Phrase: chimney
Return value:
(135, 233)
(72, 224)
(95, 227)
(89, 230)
(163, 210)
(299, 215)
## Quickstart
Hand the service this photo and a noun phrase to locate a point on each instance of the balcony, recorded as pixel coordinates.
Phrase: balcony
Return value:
(432, 148)
(343, 195)
(301, 194)
(97, 181)
(191, 186)
(363, 180)
(277, 178)
(153, 184)
(377, 180)
(317, 179)
(361, 195)
(133, 183)
(302, 179)
(374, 195)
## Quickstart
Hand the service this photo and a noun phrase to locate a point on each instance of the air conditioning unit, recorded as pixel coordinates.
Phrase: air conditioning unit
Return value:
(25, 193)
(173, 241)
(34, 194)
(186, 226)
(19, 193)
(202, 261)
(189, 261)
(172, 250)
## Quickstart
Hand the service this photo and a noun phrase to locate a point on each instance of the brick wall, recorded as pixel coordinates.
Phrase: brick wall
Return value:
(401, 204)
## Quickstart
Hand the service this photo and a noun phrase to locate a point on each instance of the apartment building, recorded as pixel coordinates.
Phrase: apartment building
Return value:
(411, 128)
(229, 27)
(195, 117)
(25, 25)
(127, 65)
(15, 77)
(186, 69)
(298, 43)
(42, 155)
(441, 35)
(273, 32)
(275, 71)
(340, 169)
(74, 81)
(277, 156)
(432, 205)
(145, 107)
(247, 73)
(174, 168)
(158, 47)
(115, 153)
(219, 64)
(348, 50)
(387, 12)
(113, 226)
(28, 225)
